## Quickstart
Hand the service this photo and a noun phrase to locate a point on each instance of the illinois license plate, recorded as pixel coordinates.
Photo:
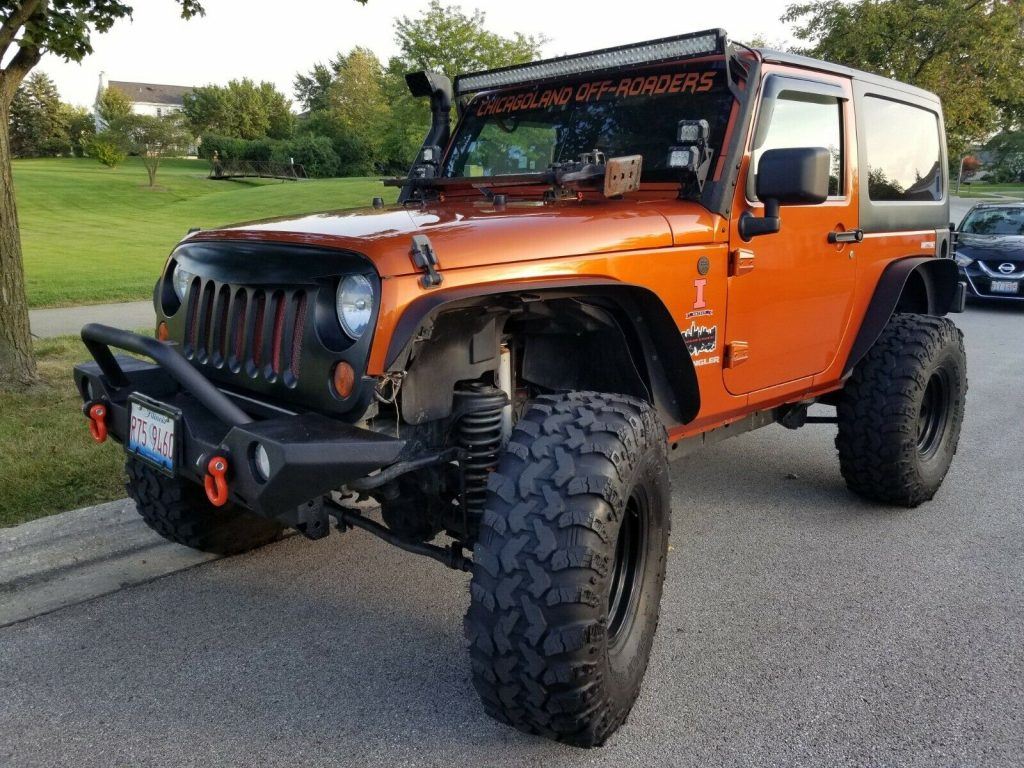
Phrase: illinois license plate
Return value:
(153, 433)
(1004, 286)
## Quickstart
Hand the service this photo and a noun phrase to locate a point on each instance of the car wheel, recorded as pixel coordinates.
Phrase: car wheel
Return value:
(568, 569)
(901, 411)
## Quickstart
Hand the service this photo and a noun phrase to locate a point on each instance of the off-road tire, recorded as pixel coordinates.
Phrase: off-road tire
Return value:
(179, 511)
(901, 411)
(549, 654)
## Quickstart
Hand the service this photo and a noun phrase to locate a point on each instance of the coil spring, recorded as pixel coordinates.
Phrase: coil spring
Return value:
(479, 436)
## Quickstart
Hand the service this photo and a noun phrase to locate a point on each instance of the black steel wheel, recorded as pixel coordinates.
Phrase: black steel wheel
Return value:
(628, 569)
(933, 419)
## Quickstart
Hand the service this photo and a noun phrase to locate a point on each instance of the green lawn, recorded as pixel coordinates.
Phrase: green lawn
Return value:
(50, 463)
(989, 190)
(94, 235)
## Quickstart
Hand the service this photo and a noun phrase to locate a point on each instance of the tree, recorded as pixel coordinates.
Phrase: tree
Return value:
(970, 165)
(38, 119)
(151, 138)
(443, 39)
(81, 127)
(359, 104)
(969, 52)
(241, 109)
(28, 29)
(1007, 151)
(313, 90)
(113, 106)
(446, 39)
(278, 108)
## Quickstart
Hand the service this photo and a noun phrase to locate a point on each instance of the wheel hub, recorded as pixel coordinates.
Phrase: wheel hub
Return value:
(627, 570)
(934, 414)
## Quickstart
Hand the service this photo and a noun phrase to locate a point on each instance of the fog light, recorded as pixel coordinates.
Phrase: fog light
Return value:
(262, 461)
(344, 379)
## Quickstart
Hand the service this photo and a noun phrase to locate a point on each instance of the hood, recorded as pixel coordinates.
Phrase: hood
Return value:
(994, 247)
(476, 233)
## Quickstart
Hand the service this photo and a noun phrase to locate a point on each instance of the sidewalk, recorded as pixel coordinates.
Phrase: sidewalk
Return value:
(64, 321)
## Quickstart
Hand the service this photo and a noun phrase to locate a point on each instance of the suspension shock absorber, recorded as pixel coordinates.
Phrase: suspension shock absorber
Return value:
(479, 436)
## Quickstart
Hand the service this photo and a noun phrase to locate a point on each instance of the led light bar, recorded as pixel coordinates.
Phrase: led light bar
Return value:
(708, 42)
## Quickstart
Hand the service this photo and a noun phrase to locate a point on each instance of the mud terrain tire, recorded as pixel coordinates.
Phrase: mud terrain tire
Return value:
(901, 411)
(569, 566)
(179, 511)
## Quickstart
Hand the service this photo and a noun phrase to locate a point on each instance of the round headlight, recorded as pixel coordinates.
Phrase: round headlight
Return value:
(355, 304)
(181, 279)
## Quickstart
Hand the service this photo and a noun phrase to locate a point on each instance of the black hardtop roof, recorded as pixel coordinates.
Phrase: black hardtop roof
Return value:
(806, 62)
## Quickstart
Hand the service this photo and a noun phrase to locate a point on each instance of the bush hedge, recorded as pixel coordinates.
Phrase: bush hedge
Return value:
(316, 154)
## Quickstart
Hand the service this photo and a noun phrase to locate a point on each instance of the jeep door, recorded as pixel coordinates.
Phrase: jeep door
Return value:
(791, 292)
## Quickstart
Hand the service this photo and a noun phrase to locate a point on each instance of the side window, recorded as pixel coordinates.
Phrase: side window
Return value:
(903, 156)
(805, 120)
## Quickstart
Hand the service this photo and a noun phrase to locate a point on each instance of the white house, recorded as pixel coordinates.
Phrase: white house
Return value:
(146, 98)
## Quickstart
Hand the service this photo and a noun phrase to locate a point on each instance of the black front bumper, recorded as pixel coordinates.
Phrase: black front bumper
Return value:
(310, 454)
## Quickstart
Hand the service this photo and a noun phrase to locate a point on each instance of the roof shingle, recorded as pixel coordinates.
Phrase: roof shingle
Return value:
(151, 93)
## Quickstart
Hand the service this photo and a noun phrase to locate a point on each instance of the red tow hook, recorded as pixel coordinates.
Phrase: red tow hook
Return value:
(98, 422)
(214, 483)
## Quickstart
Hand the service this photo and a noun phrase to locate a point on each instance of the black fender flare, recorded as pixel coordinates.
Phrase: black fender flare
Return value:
(934, 284)
(659, 346)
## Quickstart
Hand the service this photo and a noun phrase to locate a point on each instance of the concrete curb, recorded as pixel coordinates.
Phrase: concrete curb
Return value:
(72, 557)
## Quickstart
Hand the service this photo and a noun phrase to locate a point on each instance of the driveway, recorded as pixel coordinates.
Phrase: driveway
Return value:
(800, 627)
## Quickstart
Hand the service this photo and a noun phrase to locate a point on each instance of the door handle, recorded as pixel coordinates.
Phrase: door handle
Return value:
(846, 236)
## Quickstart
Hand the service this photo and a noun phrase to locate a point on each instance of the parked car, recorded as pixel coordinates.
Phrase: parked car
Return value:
(989, 249)
(614, 259)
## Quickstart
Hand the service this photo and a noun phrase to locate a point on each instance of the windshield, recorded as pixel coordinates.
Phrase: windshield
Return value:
(526, 130)
(995, 221)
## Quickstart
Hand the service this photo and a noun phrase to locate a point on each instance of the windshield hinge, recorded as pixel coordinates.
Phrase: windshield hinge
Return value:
(423, 257)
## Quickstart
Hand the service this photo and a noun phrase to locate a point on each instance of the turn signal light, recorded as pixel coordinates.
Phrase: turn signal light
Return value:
(344, 379)
(163, 333)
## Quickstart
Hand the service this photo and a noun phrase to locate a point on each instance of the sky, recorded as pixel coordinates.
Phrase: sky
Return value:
(235, 39)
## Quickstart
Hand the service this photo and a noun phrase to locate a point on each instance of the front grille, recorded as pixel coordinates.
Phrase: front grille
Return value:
(251, 330)
(993, 267)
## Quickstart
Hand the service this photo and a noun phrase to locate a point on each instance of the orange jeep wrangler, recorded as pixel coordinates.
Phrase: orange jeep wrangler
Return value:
(613, 259)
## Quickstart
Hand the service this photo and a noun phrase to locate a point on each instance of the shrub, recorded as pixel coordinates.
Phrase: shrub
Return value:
(314, 153)
(106, 150)
(226, 147)
(259, 149)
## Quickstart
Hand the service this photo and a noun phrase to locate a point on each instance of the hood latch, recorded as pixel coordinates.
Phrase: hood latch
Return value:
(423, 256)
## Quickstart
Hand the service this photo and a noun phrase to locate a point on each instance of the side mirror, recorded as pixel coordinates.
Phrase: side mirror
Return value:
(787, 177)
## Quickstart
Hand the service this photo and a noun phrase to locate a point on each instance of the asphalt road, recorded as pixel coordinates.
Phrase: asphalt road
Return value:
(800, 626)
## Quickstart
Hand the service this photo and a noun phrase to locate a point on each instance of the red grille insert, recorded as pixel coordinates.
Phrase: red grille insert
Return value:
(232, 327)
(275, 342)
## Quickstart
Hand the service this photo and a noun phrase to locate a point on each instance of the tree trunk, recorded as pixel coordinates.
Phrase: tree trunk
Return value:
(152, 164)
(17, 363)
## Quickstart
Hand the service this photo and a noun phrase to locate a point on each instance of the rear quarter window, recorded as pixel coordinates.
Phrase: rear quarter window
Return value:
(903, 151)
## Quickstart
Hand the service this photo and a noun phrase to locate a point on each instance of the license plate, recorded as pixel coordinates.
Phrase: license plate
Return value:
(152, 433)
(1004, 286)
